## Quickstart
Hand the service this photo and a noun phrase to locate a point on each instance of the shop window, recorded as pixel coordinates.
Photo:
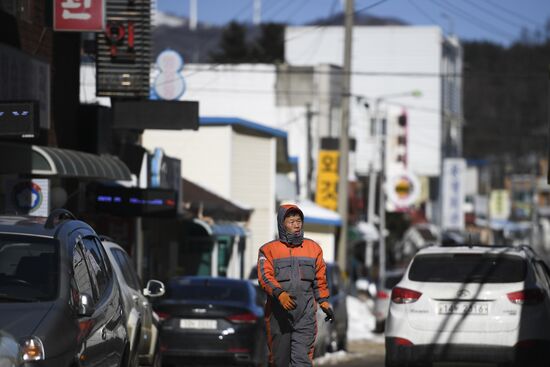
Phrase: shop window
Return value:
(225, 247)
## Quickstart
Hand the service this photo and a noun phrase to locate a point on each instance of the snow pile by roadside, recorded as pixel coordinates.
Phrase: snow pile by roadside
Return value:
(332, 358)
(360, 320)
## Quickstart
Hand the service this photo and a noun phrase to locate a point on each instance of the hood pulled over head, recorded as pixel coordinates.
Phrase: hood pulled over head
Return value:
(292, 239)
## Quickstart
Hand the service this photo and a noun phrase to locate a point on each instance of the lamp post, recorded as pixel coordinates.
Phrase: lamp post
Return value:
(381, 142)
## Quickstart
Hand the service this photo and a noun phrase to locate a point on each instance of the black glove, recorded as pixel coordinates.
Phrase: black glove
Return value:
(325, 306)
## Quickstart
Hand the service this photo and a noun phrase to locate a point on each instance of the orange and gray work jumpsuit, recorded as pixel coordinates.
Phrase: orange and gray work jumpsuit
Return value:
(300, 270)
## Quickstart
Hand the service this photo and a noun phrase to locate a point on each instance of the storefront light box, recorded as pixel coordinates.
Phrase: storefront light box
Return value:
(136, 202)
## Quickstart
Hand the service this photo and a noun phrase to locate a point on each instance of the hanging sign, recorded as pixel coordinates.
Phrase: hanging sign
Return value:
(79, 15)
(28, 197)
(327, 179)
(454, 180)
(403, 190)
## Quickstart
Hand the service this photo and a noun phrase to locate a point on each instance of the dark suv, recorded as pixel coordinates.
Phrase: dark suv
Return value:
(58, 294)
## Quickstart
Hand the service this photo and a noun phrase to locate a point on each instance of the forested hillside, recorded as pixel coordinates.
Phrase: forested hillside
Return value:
(506, 100)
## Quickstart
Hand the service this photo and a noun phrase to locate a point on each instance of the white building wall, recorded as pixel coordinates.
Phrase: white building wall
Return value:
(247, 91)
(385, 61)
(205, 154)
(253, 183)
(326, 241)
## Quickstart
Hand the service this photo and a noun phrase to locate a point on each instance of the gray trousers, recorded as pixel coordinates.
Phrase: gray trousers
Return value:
(291, 341)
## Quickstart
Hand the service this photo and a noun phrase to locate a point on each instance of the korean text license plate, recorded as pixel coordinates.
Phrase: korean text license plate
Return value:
(463, 308)
(198, 324)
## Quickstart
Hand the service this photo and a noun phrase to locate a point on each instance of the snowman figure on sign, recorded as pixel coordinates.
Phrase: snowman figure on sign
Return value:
(169, 84)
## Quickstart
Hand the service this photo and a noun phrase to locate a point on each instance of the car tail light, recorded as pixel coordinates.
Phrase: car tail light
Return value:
(382, 295)
(243, 318)
(163, 315)
(532, 343)
(404, 295)
(526, 297)
(402, 342)
(84, 328)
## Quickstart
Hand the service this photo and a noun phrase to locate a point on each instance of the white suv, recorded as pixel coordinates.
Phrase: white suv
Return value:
(480, 304)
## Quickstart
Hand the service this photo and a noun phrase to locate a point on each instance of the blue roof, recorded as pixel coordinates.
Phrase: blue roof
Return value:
(323, 221)
(235, 121)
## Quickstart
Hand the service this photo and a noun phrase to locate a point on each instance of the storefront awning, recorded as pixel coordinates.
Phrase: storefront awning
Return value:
(43, 161)
(228, 229)
(316, 214)
(197, 200)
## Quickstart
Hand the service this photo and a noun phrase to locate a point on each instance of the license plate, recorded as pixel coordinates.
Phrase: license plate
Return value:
(463, 308)
(198, 324)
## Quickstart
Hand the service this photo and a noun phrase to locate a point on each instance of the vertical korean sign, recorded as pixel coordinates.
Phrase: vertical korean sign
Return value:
(327, 179)
(79, 15)
(454, 170)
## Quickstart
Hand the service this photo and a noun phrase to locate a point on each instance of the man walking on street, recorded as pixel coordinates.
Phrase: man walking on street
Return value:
(292, 272)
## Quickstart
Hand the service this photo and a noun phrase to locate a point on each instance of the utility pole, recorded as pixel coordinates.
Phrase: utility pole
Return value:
(193, 21)
(382, 203)
(309, 117)
(257, 17)
(344, 139)
(193, 15)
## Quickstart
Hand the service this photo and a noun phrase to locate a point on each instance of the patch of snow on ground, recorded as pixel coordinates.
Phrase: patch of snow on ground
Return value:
(361, 321)
(340, 356)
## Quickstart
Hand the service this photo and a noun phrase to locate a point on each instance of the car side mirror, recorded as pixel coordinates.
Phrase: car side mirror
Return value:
(155, 288)
(85, 305)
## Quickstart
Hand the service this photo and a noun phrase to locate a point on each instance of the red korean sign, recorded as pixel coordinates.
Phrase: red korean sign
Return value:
(79, 15)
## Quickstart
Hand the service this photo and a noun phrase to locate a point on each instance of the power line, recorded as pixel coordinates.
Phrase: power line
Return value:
(488, 11)
(299, 35)
(296, 10)
(472, 19)
(279, 9)
(421, 11)
(467, 74)
(313, 28)
(510, 12)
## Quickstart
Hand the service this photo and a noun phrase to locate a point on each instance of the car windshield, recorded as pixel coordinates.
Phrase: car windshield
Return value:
(207, 292)
(468, 268)
(29, 269)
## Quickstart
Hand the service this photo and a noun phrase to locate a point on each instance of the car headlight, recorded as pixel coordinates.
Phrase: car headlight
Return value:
(32, 349)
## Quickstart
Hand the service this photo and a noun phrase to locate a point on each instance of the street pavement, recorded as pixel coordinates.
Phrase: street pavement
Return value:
(360, 353)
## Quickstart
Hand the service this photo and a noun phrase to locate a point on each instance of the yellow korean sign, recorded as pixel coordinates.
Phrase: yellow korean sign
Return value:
(327, 179)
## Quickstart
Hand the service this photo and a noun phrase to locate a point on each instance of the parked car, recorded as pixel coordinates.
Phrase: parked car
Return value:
(332, 336)
(141, 321)
(10, 351)
(481, 304)
(59, 296)
(218, 319)
(381, 297)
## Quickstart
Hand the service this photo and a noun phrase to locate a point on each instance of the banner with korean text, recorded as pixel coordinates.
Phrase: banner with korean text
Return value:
(454, 181)
(327, 179)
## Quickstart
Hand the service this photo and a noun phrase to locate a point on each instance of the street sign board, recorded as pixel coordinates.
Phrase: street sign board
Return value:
(327, 179)
(454, 177)
(79, 15)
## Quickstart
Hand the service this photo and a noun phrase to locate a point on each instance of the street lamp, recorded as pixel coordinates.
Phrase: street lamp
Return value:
(381, 142)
